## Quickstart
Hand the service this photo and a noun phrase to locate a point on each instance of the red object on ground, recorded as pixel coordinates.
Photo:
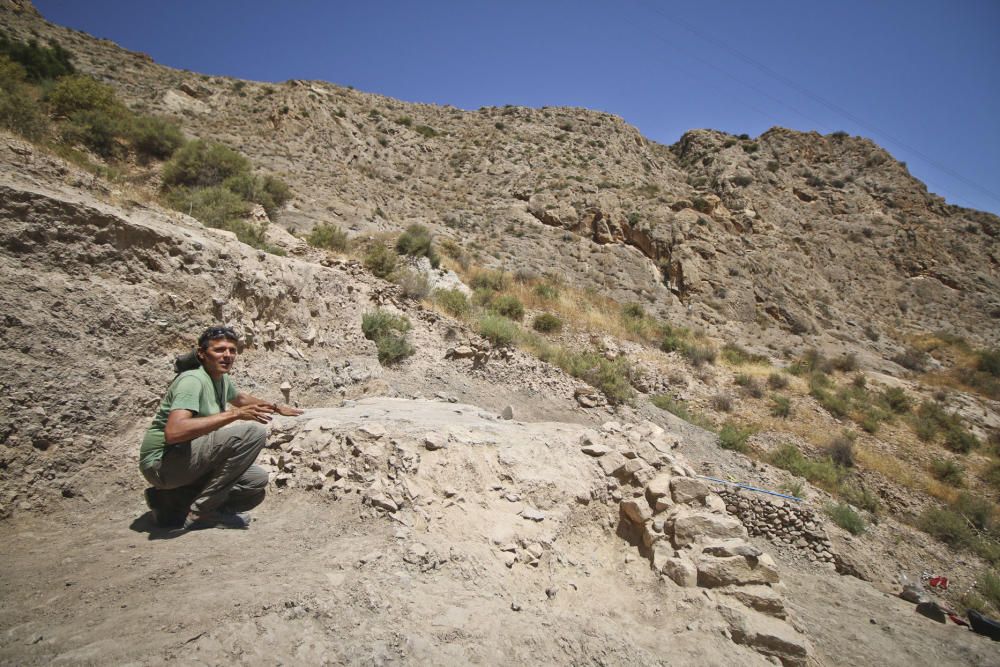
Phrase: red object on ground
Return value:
(939, 582)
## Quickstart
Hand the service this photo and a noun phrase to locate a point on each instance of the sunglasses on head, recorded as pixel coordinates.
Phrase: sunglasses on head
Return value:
(217, 332)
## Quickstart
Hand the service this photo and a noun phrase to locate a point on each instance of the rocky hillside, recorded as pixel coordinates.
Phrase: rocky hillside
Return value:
(477, 499)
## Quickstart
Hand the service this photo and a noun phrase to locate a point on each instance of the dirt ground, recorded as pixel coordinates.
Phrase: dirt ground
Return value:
(318, 580)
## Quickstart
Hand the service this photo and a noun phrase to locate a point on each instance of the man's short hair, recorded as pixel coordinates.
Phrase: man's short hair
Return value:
(215, 333)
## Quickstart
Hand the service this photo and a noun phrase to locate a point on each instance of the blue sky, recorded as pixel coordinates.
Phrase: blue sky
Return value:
(920, 77)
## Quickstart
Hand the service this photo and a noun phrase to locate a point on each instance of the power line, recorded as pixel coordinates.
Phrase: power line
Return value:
(835, 108)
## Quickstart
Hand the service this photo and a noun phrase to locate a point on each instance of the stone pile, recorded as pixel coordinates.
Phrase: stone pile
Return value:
(783, 523)
(683, 527)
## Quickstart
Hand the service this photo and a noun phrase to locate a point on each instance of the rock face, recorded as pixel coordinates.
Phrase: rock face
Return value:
(786, 524)
(670, 513)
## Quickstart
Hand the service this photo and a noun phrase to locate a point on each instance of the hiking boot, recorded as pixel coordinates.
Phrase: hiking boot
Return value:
(217, 519)
(166, 514)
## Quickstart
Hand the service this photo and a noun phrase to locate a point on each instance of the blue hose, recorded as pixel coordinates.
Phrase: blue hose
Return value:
(752, 488)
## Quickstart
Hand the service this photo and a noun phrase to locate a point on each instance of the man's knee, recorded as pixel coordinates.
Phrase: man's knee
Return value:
(250, 435)
(254, 478)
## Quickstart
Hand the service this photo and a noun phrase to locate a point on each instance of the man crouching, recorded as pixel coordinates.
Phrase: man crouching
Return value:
(199, 462)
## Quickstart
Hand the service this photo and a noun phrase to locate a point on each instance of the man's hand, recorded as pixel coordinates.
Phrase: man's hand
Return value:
(287, 411)
(256, 412)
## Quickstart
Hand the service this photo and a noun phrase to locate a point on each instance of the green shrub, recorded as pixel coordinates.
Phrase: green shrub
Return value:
(733, 437)
(960, 440)
(781, 407)
(841, 450)
(202, 163)
(269, 191)
(699, 354)
(988, 361)
(672, 342)
(388, 331)
(871, 418)
(508, 305)
(844, 516)
(155, 137)
(99, 130)
(811, 362)
(680, 409)
(417, 241)
(547, 323)
(946, 526)
(425, 131)
(215, 207)
(992, 474)
(861, 496)
(328, 236)
(895, 399)
(547, 291)
(795, 487)
(988, 585)
(38, 62)
(493, 281)
(19, 111)
(413, 284)
(633, 311)
(738, 356)
(976, 509)
(81, 93)
(453, 301)
(912, 359)
(948, 472)
(777, 381)
(846, 363)
(380, 260)
(824, 472)
(500, 331)
(612, 377)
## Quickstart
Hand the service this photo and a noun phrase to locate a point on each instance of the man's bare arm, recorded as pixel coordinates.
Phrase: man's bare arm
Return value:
(242, 400)
(183, 426)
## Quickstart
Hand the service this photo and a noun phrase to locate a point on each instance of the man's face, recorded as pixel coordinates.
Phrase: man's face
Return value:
(218, 356)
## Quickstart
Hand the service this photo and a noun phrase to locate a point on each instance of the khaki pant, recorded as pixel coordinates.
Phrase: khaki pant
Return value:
(216, 468)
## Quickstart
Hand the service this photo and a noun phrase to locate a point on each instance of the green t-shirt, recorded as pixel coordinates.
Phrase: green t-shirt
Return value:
(191, 390)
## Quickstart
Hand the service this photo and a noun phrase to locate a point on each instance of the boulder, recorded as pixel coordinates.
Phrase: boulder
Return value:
(637, 510)
(681, 571)
(690, 526)
(611, 463)
(658, 487)
(766, 635)
(715, 572)
(760, 598)
(688, 490)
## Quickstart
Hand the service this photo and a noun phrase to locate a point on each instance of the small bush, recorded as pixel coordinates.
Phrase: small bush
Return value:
(500, 331)
(680, 409)
(155, 137)
(992, 474)
(754, 388)
(811, 362)
(722, 402)
(19, 111)
(100, 131)
(988, 361)
(960, 440)
(795, 487)
(976, 509)
(546, 323)
(947, 526)
(203, 163)
(215, 207)
(734, 438)
(426, 131)
(895, 399)
(81, 93)
(413, 284)
(844, 516)
(846, 363)
(38, 62)
(509, 306)
(738, 356)
(777, 381)
(949, 472)
(988, 585)
(380, 260)
(493, 281)
(861, 496)
(268, 191)
(912, 359)
(699, 354)
(672, 342)
(388, 331)
(633, 311)
(781, 407)
(417, 241)
(328, 236)
(824, 472)
(841, 450)
(454, 301)
(546, 291)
